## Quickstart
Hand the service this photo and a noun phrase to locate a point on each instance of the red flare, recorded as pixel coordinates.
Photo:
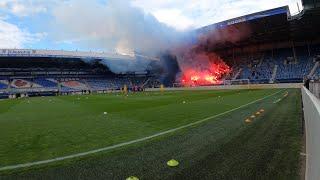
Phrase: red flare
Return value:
(205, 72)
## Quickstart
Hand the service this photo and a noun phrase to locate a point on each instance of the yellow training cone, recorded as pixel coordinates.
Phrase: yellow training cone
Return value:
(132, 178)
(261, 110)
(253, 116)
(247, 121)
(258, 113)
(173, 163)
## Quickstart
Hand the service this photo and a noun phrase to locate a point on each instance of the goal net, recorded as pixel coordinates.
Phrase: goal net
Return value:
(245, 82)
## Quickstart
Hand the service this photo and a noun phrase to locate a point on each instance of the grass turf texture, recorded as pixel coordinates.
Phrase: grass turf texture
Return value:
(224, 147)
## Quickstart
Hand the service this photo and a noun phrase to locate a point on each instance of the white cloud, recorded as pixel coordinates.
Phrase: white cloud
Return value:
(11, 36)
(174, 18)
(198, 13)
(3, 4)
(23, 8)
(179, 14)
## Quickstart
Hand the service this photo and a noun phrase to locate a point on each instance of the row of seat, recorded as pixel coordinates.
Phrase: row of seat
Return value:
(67, 85)
(287, 67)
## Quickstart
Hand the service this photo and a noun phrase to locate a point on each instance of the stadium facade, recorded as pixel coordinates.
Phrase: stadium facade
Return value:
(265, 47)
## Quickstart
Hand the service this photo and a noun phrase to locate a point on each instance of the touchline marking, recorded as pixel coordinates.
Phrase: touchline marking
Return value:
(284, 96)
(26, 165)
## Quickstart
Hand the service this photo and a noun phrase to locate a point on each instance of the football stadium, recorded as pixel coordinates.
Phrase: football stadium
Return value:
(240, 102)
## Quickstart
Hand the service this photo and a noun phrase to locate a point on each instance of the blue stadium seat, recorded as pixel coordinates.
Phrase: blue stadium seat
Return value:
(287, 70)
(3, 86)
(46, 82)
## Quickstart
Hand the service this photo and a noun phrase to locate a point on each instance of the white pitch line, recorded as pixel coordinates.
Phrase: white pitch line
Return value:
(280, 99)
(30, 164)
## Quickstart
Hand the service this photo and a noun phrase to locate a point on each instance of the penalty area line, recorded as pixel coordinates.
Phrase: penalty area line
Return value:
(30, 164)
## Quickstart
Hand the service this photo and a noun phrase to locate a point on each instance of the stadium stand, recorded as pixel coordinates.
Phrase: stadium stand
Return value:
(3, 84)
(317, 74)
(100, 84)
(47, 83)
(287, 68)
(279, 65)
(73, 84)
(275, 50)
(20, 83)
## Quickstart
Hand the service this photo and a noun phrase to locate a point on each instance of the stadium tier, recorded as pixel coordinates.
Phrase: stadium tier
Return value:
(51, 75)
(100, 84)
(48, 83)
(289, 54)
(3, 84)
(66, 85)
(317, 74)
(283, 65)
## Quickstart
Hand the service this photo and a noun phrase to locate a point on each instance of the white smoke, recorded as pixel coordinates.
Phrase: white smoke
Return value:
(119, 27)
(114, 26)
(124, 66)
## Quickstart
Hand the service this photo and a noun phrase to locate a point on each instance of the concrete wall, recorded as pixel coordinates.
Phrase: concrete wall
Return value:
(314, 87)
(248, 86)
(311, 107)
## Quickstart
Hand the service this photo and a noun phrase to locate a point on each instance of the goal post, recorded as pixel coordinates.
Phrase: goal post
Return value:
(243, 82)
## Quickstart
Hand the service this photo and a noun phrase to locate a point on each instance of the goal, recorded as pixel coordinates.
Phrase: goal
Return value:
(245, 82)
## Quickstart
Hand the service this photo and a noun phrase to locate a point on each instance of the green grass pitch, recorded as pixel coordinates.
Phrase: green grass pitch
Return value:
(223, 147)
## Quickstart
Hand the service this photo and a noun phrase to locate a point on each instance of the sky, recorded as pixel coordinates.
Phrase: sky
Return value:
(114, 25)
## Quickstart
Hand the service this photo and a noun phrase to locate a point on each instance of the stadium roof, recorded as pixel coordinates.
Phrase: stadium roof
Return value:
(61, 54)
(310, 4)
(242, 19)
(274, 25)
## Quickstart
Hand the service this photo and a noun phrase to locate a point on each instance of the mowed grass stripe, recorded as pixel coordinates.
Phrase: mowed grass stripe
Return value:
(53, 127)
(268, 148)
(26, 165)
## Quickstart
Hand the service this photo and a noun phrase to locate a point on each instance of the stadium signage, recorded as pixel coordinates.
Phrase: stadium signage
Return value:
(236, 21)
(60, 54)
(17, 52)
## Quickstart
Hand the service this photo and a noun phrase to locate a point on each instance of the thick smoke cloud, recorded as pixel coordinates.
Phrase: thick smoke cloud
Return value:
(199, 60)
(114, 26)
(118, 27)
(231, 34)
(170, 69)
(123, 66)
